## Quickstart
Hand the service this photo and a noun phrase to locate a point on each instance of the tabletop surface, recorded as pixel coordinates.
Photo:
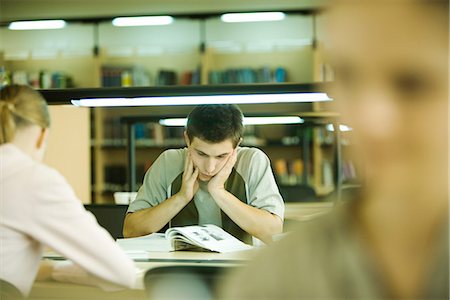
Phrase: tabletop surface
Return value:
(69, 291)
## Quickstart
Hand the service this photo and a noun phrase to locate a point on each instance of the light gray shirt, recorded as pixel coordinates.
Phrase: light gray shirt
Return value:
(252, 166)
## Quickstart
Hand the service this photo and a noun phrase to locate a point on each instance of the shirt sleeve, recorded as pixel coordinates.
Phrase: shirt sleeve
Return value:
(154, 188)
(262, 189)
(59, 220)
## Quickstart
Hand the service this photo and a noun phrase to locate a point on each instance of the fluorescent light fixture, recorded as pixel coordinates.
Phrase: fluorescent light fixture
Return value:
(252, 17)
(181, 122)
(36, 25)
(206, 99)
(272, 120)
(142, 21)
(342, 127)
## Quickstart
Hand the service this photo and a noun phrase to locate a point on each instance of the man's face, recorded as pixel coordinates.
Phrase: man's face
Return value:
(209, 158)
(390, 59)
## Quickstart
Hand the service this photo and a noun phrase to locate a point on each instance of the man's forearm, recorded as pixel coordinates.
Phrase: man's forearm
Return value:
(257, 222)
(152, 219)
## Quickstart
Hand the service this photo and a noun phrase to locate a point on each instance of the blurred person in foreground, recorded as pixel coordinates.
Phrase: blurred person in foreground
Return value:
(39, 209)
(392, 240)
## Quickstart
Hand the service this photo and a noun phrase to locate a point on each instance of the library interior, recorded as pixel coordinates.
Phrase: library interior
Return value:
(197, 52)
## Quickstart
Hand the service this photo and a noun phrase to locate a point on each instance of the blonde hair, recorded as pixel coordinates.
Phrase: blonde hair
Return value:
(21, 106)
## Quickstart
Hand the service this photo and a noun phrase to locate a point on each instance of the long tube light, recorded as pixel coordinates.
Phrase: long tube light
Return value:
(205, 99)
(37, 25)
(342, 127)
(252, 17)
(247, 121)
(142, 21)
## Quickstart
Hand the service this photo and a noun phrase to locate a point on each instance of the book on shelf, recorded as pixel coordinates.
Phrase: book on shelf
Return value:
(204, 238)
(115, 178)
(147, 134)
(247, 75)
(125, 76)
(42, 79)
(166, 77)
(190, 77)
(289, 172)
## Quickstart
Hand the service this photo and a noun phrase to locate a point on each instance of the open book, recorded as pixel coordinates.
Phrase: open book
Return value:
(204, 238)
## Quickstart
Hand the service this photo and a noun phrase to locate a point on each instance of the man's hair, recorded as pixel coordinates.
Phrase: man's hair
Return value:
(215, 123)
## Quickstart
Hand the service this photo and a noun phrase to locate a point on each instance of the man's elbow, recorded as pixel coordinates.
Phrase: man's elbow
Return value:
(276, 226)
(128, 228)
(133, 226)
(273, 228)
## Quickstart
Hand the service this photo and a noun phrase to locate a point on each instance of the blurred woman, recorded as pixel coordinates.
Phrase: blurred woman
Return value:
(392, 241)
(39, 208)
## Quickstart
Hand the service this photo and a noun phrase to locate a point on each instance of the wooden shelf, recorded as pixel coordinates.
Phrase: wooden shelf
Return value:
(303, 64)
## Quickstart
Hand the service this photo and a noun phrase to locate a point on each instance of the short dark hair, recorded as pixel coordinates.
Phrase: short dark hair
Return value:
(215, 123)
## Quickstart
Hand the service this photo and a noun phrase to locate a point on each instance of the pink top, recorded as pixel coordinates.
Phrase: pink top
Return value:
(38, 208)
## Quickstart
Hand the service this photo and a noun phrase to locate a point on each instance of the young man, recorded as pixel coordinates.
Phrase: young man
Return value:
(212, 181)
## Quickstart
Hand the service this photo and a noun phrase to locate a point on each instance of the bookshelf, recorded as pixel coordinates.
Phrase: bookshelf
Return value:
(202, 44)
(250, 47)
(292, 146)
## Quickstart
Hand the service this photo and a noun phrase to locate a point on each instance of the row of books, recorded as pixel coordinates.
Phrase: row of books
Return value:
(125, 76)
(154, 134)
(288, 172)
(146, 134)
(248, 75)
(42, 79)
(349, 172)
(116, 76)
(116, 180)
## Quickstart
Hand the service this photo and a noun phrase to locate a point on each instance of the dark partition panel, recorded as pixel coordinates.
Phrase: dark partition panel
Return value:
(110, 217)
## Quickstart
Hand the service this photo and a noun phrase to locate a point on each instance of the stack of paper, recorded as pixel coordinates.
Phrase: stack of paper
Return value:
(139, 247)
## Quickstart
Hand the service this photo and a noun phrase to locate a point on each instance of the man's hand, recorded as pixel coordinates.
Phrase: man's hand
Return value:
(189, 185)
(218, 181)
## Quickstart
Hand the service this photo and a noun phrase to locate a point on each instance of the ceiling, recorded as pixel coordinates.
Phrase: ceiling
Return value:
(11, 10)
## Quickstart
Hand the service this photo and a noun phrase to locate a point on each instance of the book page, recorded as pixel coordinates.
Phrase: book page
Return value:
(209, 236)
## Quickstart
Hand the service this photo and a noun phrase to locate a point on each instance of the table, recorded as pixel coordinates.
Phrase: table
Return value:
(303, 211)
(67, 291)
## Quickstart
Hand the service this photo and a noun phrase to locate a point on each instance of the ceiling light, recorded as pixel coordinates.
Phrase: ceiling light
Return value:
(204, 99)
(36, 25)
(252, 17)
(273, 120)
(292, 93)
(142, 21)
(181, 122)
(342, 127)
